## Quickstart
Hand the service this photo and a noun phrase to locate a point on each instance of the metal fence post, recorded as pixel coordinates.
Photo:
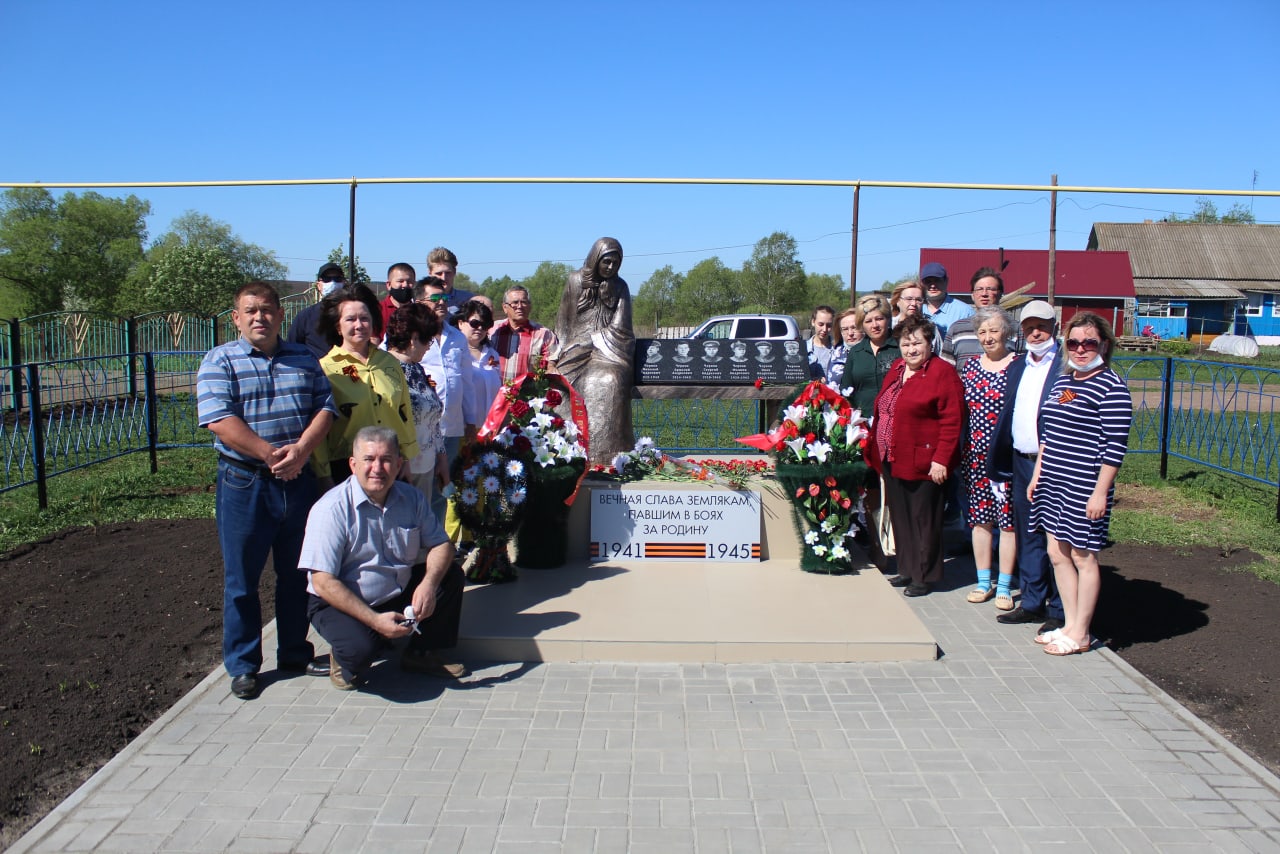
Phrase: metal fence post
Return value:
(131, 348)
(15, 356)
(153, 430)
(1166, 395)
(37, 436)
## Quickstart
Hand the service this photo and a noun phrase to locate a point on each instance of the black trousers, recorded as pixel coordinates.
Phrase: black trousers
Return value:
(355, 645)
(915, 511)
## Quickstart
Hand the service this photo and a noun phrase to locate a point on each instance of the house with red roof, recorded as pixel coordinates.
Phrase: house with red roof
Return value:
(1101, 282)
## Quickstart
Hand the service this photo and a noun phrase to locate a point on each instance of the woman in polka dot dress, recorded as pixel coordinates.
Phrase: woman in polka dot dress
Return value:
(988, 501)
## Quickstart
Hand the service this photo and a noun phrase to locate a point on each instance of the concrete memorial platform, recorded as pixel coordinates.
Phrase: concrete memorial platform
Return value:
(692, 610)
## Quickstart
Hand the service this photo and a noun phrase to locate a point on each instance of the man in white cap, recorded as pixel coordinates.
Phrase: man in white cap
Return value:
(1013, 459)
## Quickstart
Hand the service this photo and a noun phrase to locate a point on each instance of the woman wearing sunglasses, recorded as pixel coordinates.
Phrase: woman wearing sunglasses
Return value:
(475, 319)
(1084, 434)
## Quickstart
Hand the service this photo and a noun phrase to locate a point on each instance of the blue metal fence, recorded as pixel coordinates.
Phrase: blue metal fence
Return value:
(76, 412)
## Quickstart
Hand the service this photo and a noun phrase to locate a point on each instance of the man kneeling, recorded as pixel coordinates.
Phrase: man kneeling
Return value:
(361, 551)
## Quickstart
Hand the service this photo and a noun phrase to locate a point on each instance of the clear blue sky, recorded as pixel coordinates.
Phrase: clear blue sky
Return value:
(1133, 94)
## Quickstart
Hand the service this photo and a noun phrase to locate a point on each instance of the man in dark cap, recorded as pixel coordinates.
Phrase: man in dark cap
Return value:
(305, 328)
(940, 308)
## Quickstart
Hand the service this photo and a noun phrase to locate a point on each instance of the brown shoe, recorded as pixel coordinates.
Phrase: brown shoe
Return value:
(335, 675)
(432, 663)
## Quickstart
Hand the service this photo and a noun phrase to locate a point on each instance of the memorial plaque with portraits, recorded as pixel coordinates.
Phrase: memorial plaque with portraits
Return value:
(719, 361)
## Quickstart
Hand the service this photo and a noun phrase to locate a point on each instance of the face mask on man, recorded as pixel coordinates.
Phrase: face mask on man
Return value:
(327, 288)
(1041, 348)
(401, 295)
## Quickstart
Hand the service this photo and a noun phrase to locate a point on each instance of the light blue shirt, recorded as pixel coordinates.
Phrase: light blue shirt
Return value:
(370, 549)
(946, 314)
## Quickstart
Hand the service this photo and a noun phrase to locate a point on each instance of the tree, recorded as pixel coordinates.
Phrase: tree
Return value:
(773, 277)
(545, 288)
(339, 256)
(199, 279)
(826, 289)
(1207, 212)
(74, 252)
(709, 288)
(196, 229)
(656, 299)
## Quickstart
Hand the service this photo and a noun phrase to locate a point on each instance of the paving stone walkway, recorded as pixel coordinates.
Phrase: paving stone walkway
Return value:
(994, 747)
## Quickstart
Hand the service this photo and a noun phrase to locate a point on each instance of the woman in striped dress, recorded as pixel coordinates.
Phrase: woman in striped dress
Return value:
(1084, 433)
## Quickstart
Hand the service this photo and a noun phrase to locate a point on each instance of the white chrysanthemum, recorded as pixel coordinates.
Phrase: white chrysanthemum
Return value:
(620, 462)
(644, 443)
(517, 495)
(491, 484)
(811, 537)
(491, 460)
(469, 496)
(795, 414)
(515, 468)
(819, 451)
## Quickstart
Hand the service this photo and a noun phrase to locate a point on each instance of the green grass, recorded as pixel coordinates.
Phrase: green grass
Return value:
(1197, 507)
(120, 490)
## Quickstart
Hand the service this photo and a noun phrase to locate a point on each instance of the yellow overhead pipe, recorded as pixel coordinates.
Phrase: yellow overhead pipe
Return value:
(746, 182)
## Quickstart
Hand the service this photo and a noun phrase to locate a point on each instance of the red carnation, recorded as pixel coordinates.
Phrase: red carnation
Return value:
(554, 398)
(522, 445)
(519, 409)
(759, 383)
(809, 437)
(557, 422)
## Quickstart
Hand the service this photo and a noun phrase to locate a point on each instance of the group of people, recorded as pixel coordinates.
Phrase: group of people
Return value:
(1029, 440)
(334, 445)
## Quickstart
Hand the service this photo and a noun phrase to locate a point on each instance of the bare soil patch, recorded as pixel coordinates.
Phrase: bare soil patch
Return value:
(107, 627)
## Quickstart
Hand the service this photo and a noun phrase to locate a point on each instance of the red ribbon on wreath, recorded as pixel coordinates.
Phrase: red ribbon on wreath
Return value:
(503, 403)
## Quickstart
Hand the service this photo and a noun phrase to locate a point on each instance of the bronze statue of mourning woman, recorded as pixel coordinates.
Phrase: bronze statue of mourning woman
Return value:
(597, 348)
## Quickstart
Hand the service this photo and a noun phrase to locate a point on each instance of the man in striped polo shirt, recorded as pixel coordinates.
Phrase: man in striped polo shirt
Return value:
(268, 404)
(519, 341)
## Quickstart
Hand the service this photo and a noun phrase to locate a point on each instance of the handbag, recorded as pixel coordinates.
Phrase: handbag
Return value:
(884, 526)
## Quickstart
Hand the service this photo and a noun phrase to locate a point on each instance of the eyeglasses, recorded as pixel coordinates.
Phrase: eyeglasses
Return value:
(331, 279)
(1086, 344)
(437, 297)
(986, 290)
(524, 303)
(478, 324)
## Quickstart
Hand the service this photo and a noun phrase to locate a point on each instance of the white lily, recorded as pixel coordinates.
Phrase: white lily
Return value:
(795, 414)
(819, 450)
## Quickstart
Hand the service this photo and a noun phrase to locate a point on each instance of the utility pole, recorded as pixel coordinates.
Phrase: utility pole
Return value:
(853, 257)
(1053, 236)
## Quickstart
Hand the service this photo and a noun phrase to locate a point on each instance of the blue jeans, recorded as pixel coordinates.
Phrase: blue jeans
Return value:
(258, 514)
(1035, 572)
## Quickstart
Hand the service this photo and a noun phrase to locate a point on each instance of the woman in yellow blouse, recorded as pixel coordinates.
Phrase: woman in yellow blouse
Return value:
(369, 388)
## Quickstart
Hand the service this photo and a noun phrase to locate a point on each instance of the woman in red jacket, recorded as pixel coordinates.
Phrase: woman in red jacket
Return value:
(915, 445)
